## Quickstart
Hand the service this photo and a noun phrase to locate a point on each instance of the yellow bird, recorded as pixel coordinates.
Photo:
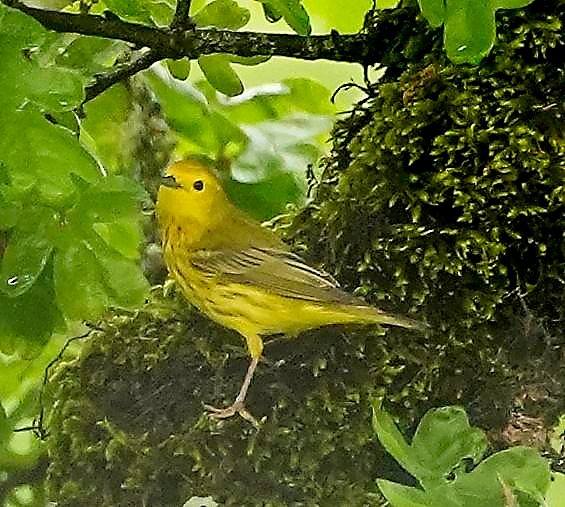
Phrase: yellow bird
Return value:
(242, 275)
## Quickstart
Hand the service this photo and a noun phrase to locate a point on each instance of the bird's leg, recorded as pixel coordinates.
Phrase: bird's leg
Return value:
(238, 406)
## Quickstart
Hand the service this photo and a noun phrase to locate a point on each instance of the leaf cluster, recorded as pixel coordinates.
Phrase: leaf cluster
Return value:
(70, 232)
(446, 456)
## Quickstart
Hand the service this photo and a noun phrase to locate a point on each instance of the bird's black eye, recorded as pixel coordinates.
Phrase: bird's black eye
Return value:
(198, 185)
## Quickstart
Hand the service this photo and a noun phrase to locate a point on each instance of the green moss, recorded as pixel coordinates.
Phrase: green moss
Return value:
(128, 424)
(443, 197)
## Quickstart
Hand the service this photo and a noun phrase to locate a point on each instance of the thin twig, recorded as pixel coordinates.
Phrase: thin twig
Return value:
(181, 19)
(38, 426)
(118, 73)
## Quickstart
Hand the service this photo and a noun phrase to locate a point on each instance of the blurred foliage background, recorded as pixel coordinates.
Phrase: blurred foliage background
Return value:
(76, 235)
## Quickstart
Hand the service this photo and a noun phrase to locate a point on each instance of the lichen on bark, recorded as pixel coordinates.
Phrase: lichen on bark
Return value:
(443, 196)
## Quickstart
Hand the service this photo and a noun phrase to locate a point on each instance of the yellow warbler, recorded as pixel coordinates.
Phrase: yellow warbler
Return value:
(241, 274)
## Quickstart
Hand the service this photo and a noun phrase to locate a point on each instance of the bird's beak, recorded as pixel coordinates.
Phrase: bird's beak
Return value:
(169, 181)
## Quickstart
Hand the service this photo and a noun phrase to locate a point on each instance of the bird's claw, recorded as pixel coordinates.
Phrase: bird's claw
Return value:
(237, 407)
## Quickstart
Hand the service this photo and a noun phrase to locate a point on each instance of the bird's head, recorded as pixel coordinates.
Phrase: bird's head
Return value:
(191, 191)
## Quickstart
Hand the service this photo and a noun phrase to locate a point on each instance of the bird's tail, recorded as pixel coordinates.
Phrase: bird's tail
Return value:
(371, 315)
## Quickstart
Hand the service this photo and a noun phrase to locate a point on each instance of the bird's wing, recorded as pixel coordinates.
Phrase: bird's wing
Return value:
(275, 270)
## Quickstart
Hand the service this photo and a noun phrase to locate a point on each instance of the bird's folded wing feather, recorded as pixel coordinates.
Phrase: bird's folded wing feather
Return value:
(274, 270)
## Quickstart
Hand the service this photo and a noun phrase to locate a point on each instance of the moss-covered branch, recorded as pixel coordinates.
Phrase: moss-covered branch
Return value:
(193, 43)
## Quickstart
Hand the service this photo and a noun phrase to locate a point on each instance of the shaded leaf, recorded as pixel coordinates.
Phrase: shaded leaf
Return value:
(225, 14)
(28, 250)
(220, 75)
(443, 438)
(78, 281)
(469, 31)
(400, 495)
(511, 4)
(392, 440)
(179, 69)
(132, 11)
(124, 279)
(104, 131)
(248, 60)
(433, 11)
(292, 11)
(5, 427)
(257, 198)
(28, 320)
(271, 13)
(43, 157)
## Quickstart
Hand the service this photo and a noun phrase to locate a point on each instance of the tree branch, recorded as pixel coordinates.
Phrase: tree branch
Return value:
(174, 42)
(181, 19)
(120, 72)
(194, 43)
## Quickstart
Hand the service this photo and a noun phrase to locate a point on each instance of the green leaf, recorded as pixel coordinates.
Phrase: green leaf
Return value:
(179, 69)
(39, 155)
(105, 132)
(469, 32)
(519, 468)
(28, 320)
(292, 11)
(271, 13)
(22, 78)
(132, 11)
(10, 211)
(268, 197)
(79, 286)
(386, 4)
(443, 438)
(200, 501)
(225, 14)
(124, 236)
(556, 490)
(433, 11)
(278, 100)
(5, 427)
(220, 75)
(124, 279)
(162, 11)
(283, 143)
(112, 198)
(400, 495)
(88, 55)
(511, 4)
(248, 60)
(392, 440)
(28, 250)
(185, 108)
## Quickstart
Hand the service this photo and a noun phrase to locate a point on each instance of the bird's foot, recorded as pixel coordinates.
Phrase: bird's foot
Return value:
(238, 407)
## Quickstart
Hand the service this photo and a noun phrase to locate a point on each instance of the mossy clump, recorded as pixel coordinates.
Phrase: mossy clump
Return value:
(443, 197)
(128, 426)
